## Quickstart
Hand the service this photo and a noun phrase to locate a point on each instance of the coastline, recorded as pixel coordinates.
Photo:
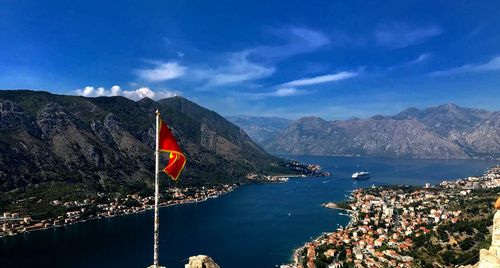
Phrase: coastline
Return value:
(282, 248)
(490, 179)
(143, 210)
(353, 218)
(283, 178)
(104, 205)
(353, 215)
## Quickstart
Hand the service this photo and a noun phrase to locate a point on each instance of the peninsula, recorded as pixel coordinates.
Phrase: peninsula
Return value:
(407, 226)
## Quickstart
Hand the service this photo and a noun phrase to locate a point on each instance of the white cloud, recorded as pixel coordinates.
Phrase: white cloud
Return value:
(241, 67)
(298, 40)
(100, 91)
(280, 92)
(236, 68)
(421, 58)
(115, 90)
(321, 79)
(137, 94)
(290, 88)
(255, 63)
(492, 65)
(285, 92)
(87, 91)
(313, 38)
(162, 71)
(400, 35)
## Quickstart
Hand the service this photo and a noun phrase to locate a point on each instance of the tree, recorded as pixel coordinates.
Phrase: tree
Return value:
(466, 244)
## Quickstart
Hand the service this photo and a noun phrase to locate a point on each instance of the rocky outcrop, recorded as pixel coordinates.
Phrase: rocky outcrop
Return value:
(13, 117)
(99, 130)
(208, 138)
(201, 261)
(52, 119)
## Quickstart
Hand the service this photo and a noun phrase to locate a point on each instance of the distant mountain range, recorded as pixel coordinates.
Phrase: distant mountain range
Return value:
(108, 142)
(446, 132)
(261, 129)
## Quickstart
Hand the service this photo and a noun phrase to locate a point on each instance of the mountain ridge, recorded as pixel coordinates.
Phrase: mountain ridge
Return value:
(446, 131)
(107, 142)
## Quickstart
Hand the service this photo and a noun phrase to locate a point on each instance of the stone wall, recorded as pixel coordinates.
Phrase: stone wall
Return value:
(490, 258)
(201, 261)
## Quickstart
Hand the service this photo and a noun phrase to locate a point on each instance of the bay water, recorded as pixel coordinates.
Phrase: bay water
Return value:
(257, 225)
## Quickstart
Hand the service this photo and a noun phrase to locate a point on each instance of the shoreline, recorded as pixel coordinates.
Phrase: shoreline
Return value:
(145, 209)
(350, 213)
(286, 156)
(296, 252)
(163, 205)
(445, 184)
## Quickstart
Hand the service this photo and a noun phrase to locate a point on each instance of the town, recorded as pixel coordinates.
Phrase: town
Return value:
(490, 179)
(104, 205)
(101, 205)
(389, 224)
(302, 171)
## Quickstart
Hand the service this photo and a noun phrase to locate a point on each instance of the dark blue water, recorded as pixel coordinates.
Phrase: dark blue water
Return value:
(255, 226)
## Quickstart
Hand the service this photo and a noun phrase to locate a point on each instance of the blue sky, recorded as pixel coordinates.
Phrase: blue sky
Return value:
(334, 59)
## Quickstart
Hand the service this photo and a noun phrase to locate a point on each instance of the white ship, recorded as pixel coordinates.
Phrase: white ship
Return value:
(362, 175)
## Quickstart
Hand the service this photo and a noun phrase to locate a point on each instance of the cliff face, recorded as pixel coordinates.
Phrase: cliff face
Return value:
(447, 131)
(109, 141)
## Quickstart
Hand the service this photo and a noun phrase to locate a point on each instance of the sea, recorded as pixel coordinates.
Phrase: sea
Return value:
(256, 225)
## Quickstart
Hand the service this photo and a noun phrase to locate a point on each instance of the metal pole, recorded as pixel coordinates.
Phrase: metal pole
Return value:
(157, 191)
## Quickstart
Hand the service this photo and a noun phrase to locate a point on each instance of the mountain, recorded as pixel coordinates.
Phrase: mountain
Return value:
(484, 139)
(107, 142)
(260, 129)
(447, 131)
(446, 119)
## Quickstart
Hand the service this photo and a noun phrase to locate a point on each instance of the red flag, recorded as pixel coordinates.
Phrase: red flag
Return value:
(169, 144)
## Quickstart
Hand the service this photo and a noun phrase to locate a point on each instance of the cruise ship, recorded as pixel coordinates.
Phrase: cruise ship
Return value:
(362, 175)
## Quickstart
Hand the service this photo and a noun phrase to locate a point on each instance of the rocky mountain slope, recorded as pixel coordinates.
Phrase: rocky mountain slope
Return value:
(447, 131)
(261, 129)
(108, 142)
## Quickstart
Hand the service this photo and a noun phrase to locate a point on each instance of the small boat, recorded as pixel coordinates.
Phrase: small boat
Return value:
(361, 175)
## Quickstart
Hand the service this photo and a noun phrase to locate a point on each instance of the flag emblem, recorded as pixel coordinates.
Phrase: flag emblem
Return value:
(169, 144)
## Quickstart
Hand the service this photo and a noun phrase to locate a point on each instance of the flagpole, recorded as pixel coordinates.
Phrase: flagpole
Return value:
(157, 191)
